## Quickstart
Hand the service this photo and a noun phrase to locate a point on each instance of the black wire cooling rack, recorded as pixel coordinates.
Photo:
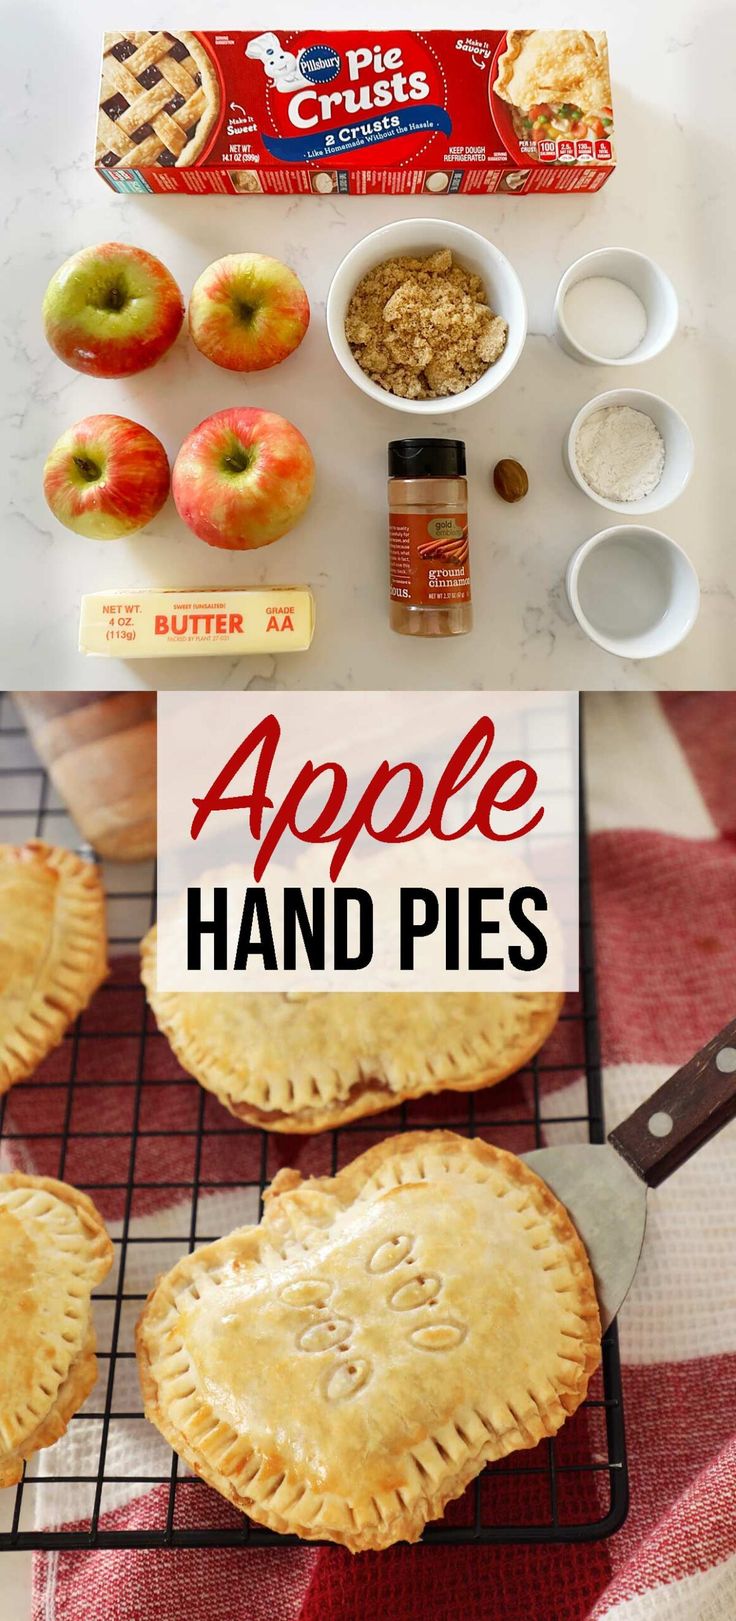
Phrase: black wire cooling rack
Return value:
(570, 1489)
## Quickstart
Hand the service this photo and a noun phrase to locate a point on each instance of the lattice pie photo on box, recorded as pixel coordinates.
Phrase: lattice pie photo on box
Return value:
(160, 100)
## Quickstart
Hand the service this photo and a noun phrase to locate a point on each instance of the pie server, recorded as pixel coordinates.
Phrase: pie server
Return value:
(604, 1185)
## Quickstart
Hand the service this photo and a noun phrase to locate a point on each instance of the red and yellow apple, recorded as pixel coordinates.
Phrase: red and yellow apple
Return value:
(243, 478)
(106, 477)
(248, 312)
(112, 310)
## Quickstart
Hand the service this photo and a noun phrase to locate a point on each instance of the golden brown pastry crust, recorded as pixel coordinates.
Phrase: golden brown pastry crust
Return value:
(54, 1249)
(554, 65)
(343, 1370)
(53, 950)
(304, 1063)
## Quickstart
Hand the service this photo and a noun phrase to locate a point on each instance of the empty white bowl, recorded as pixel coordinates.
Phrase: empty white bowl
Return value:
(633, 591)
(679, 452)
(418, 238)
(645, 278)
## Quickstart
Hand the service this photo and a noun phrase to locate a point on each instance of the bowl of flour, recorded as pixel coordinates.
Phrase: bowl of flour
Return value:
(630, 451)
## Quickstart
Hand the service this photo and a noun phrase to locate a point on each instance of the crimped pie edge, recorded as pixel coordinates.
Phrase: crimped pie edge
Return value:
(254, 1482)
(80, 938)
(82, 1372)
(214, 1075)
(194, 148)
(505, 64)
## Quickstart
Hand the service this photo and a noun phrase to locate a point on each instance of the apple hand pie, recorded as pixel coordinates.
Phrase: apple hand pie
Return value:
(303, 1062)
(53, 950)
(557, 84)
(53, 1251)
(346, 1368)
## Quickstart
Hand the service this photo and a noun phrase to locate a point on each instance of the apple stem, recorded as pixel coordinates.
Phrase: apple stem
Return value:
(238, 461)
(88, 469)
(245, 312)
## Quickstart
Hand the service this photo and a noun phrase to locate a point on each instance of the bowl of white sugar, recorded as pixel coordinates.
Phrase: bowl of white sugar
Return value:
(615, 307)
(630, 451)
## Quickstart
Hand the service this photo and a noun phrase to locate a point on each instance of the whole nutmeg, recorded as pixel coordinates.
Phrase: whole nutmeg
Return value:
(510, 480)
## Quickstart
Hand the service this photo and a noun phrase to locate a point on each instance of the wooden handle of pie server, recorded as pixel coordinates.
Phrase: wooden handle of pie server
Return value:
(685, 1112)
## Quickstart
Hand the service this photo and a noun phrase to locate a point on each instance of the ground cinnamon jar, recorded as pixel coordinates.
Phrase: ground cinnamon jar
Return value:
(428, 534)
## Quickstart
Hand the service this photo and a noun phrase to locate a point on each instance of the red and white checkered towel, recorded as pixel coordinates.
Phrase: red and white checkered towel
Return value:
(662, 794)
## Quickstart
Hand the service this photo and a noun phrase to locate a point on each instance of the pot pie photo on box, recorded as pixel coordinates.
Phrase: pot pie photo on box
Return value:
(54, 1250)
(53, 950)
(303, 1062)
(346, 1368)
(557, 84)
(159, 100)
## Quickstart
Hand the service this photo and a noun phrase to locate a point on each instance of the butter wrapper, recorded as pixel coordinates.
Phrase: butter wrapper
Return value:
(184, 624)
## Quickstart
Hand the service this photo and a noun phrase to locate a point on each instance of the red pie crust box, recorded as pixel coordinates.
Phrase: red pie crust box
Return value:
(325, 111)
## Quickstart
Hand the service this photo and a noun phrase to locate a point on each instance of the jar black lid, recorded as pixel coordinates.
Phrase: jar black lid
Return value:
(426, 458)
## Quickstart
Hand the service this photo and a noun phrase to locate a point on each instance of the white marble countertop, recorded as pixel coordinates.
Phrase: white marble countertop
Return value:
(671, 196)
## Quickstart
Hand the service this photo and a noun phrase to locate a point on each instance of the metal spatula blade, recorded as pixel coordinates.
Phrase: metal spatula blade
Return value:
(608, 1205)
(604, 1185)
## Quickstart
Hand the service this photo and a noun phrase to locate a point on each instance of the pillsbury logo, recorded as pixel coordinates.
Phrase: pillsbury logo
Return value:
(333, 104)
(319, 63)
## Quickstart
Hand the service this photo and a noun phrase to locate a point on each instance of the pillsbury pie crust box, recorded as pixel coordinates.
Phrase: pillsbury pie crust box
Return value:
(324, 111)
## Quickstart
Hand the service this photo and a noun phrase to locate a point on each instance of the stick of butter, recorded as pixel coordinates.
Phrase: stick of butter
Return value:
(168, 624)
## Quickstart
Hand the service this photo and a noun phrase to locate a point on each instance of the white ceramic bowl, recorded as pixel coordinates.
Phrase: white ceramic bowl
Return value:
(646, 279)
(678, 448)
(418, 238)
(633, 590)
